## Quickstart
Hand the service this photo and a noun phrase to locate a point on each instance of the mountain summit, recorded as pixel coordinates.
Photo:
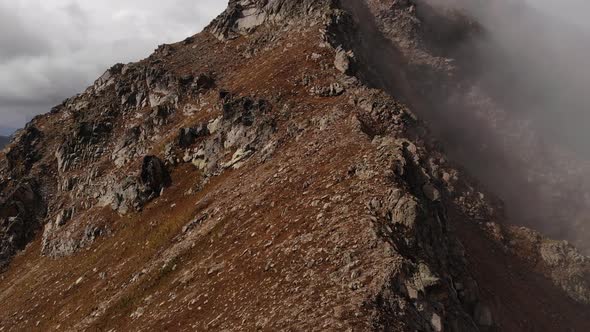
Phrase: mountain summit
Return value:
(284, 169)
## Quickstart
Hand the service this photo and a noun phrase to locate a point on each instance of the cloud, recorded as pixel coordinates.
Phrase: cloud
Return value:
(531, 145)
(51, 50)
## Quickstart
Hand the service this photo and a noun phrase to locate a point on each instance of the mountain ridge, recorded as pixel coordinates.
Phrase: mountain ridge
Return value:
(246, 178)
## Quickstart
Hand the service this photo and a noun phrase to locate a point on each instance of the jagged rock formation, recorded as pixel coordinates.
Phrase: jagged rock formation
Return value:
(248, 178)
(21, 211)
(243, 16)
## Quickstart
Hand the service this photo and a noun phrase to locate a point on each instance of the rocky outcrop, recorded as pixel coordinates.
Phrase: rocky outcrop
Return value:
(557, 260)
(245, 128)
(243, 16)
(416, 224)
(60, 240)
(21, 214)
(25, 152)
(133, 192)
(84, 145)
(188, 136)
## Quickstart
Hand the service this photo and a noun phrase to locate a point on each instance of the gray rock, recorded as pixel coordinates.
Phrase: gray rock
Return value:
(108, 78)
(61, 242)
(333, 90)
(437, 323)
(344, 61)
(188, 136)
(244, 16)
(133, 192)
(63, 217)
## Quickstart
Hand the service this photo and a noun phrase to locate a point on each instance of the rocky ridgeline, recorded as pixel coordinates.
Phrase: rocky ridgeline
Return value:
(114, 149)
(243, 16)
(443, 79)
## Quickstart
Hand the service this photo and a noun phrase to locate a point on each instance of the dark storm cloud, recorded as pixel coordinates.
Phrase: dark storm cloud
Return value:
(50, 50)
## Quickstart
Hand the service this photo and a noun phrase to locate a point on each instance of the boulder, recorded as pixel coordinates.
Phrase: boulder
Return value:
(188, 136)
(154, 175)
(344, 61)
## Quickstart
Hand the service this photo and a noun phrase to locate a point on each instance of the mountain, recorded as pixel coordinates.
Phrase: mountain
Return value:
(3, 141)
(284, 169)
(6, 131)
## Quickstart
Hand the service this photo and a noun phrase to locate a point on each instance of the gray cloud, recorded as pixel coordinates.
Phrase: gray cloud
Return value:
(50, 50)
(532, 148)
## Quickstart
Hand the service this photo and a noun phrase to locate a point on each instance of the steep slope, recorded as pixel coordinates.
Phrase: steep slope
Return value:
(455, 75)
(247, 178)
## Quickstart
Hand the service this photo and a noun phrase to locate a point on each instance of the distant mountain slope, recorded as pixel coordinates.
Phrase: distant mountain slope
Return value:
(7, 131)
(3, 141)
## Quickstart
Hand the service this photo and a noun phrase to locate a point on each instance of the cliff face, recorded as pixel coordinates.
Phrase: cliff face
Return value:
(254, 177)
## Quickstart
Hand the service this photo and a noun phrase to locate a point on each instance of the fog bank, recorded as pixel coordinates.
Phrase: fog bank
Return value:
(531, 147)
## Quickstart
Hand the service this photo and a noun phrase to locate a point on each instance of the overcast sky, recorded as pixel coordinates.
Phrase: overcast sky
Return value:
(53, 49)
